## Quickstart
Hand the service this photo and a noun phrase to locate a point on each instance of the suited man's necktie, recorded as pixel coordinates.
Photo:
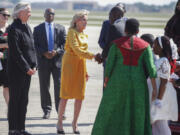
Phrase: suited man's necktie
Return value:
(51, 41)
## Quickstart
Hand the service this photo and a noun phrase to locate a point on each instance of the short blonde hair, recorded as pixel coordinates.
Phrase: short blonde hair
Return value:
(19, 7)
(77, 16)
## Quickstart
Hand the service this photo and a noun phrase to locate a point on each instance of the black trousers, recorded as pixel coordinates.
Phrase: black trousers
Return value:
(18, 92)
(44, 80)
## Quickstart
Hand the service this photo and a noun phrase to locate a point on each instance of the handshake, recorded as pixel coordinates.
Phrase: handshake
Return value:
(98, 58)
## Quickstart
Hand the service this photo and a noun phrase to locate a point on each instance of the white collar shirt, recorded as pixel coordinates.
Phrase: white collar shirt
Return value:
(47, 30)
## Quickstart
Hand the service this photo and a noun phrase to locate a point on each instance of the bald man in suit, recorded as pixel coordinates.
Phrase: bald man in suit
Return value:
(49, 39)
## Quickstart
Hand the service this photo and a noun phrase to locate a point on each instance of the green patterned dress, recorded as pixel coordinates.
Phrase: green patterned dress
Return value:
(124, 108)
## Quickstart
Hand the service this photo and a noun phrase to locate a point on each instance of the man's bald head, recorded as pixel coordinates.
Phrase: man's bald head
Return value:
(49, 15)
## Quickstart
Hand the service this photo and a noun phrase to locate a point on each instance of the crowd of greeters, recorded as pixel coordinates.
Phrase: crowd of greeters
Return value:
(141, 75)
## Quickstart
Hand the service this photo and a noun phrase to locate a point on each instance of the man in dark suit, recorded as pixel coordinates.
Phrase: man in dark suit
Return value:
(105, 27)
(116, 30)
(49, 41)
(105, 38)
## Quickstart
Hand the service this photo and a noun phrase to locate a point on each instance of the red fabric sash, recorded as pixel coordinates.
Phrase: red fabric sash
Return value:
(131, 55)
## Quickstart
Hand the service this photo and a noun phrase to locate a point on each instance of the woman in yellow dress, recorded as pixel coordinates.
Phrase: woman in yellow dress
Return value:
(74, 74)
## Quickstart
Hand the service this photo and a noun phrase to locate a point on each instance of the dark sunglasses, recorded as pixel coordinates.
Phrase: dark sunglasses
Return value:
(5, 15)
(51, 13)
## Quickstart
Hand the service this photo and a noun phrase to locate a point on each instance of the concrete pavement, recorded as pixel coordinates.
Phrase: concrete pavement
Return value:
(38, 126)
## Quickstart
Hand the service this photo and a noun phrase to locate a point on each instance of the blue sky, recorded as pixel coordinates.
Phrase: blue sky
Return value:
(104, 2)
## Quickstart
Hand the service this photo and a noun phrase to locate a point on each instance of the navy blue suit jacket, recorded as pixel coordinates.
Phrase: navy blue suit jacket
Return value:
(104, 33)
(116, 31)
(41, 44)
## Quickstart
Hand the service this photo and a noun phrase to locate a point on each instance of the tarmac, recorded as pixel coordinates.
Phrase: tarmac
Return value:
(38, 126)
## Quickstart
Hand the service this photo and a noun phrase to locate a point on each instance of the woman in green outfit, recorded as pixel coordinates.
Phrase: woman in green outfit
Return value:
(124, 108)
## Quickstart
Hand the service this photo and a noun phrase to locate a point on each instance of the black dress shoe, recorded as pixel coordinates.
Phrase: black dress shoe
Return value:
(46, 115)
(14, 132)
(60, 132)
(76, 132)
(23, 132)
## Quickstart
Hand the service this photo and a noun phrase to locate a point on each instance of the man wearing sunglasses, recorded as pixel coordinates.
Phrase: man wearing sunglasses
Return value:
(49, 39)
(4, 14)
